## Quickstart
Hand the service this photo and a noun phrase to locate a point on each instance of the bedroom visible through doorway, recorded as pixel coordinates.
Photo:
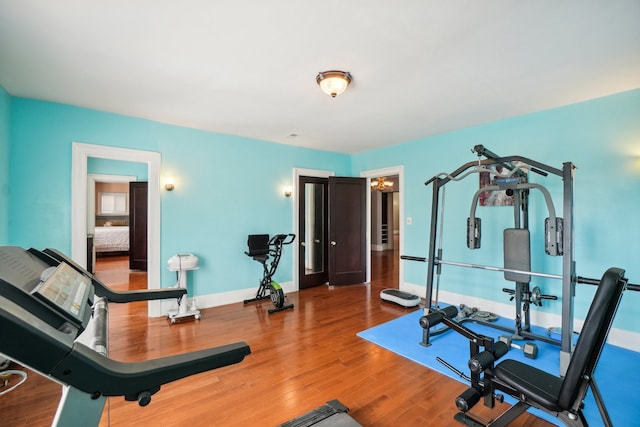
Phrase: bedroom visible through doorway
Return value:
(107, 217)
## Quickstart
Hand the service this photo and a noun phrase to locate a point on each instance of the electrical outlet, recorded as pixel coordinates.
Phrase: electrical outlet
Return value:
(409, 220)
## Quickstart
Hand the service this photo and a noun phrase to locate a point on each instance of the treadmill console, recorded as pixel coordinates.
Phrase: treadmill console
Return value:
(49, 290)
(65, 290)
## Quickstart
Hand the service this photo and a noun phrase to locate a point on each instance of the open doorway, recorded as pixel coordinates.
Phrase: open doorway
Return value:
(79, 192)
(385, 232)
(385, 227)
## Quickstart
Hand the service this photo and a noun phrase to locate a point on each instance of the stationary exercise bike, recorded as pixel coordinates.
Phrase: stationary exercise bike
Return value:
(260, 249)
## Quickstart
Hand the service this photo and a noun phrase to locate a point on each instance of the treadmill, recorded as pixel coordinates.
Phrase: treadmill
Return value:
(53, 319)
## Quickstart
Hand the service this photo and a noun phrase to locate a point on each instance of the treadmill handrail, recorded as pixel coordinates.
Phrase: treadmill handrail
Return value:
(103, 290)
(96, 374)
(136, 295)
(31, 342)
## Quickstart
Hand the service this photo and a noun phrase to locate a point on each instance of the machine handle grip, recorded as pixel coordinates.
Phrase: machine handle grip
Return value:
(588, 281)
(413, 258)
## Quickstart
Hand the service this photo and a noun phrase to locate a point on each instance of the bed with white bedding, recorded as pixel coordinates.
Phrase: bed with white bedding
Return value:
(111, 239)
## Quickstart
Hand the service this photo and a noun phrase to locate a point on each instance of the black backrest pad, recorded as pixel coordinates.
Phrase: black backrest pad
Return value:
(258, 244)
(593, 335)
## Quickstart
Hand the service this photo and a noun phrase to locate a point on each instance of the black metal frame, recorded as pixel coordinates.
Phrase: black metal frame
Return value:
(568, 265)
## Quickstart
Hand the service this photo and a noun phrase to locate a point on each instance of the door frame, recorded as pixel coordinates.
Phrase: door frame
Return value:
(297, 173)
(80, 156)
(374, 173)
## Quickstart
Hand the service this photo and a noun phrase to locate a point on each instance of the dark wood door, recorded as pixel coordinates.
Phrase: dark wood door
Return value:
(347, 230)
(138, 226)
(313, 236)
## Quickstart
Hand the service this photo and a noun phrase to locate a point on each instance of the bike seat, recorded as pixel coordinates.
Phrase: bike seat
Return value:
(258, 245)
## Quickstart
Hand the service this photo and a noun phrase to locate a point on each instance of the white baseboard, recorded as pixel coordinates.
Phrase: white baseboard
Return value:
(618, 337)
(222, 298)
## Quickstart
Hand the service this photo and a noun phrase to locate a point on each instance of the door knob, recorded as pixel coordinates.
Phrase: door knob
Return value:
(316, 241)
(333, 243)
(303, 244)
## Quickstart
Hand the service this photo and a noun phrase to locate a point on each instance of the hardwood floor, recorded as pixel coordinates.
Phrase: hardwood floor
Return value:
(300, 359)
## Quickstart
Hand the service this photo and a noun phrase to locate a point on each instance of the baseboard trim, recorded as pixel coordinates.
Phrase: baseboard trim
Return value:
(618, 337)
(222, 298)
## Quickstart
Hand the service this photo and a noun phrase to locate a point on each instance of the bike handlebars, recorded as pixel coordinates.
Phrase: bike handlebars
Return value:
(282, 239)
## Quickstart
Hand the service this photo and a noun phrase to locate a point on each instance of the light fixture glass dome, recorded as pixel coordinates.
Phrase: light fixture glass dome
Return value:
(333, 83)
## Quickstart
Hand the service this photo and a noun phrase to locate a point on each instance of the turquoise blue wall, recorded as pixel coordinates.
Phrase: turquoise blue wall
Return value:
(226, 187)
(5, 107)
(601, 137)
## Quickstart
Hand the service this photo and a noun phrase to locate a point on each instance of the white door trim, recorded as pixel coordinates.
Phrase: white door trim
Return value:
(80, 155)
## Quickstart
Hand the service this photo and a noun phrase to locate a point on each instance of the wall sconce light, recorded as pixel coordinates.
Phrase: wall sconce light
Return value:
(333, 82)
(287, 192)
(169, 185)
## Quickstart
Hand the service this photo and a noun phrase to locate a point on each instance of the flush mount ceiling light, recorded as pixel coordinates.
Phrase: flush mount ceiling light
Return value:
(381, 184)
(333, 82)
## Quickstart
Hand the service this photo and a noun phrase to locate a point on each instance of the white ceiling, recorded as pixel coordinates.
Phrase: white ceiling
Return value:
(248, 67)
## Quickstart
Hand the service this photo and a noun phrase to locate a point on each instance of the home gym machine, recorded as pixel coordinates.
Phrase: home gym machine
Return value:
(54, 319)
(260, 249)
(510, 174)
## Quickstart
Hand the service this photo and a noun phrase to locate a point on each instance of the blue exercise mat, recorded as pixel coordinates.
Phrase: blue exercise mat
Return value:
(617, 374)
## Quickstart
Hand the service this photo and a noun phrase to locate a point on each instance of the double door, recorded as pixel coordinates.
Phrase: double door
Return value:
(332, 231)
